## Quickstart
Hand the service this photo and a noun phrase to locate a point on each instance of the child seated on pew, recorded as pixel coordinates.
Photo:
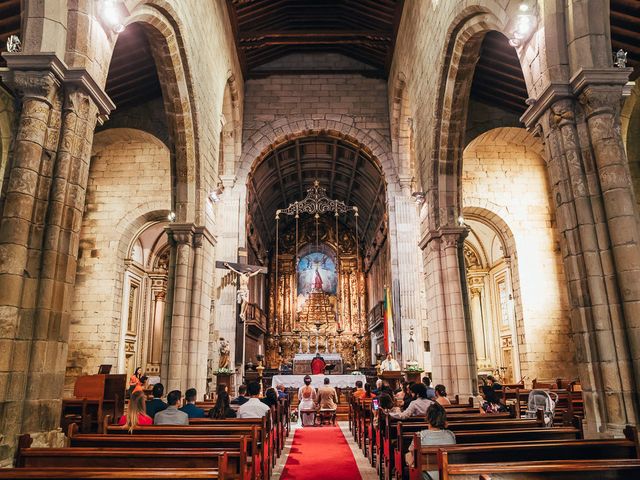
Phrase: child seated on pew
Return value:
(436, 434)
(491, 403)
(136, 413)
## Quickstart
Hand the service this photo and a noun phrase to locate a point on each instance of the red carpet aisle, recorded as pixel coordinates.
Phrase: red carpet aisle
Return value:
(320, 453)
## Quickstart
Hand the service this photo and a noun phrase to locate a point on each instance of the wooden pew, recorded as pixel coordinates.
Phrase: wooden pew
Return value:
(502, 441)
(470, 461)
(259, 442)
(82, 473)
(404, 434)
(236, 466)
(551, 470)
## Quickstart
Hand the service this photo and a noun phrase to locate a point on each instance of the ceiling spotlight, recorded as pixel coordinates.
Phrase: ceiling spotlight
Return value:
(112, 15)
(171, 217)
(214, 196)
(523, 7)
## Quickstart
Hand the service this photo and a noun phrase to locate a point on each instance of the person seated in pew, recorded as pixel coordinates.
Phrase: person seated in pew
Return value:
(491, 403)
(367, 392)
(441, 395)
(222, 409)
(136, 413)
(436, 434)
(282, 392)
(418, 407)
(307, 402)
(378, 388)
(386, 404)
(431, 392)
(190, 407)
(270, 397)
(359, 391)
(242, 398)
(172, 415)
(408, 396)
(327, 397)
(156, 404)
(493, 383)
(253, 408)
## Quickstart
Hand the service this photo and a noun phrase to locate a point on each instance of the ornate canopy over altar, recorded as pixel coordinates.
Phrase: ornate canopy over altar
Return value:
(318, 303)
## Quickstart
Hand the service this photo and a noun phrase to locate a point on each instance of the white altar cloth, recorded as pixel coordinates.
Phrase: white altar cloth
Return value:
(296, 381)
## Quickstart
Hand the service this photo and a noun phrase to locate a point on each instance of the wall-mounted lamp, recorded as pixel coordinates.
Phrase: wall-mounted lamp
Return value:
(419, 197)
(215, 195)
(525, 21)
(171, 217)
(113, 13)
(461, 221)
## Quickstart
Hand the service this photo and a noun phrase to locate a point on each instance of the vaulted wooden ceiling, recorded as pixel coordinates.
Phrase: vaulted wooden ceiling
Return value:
(625, 31)
(133, 76)
(10, 23)
(498, 78)
(347, 172)
(364, 30)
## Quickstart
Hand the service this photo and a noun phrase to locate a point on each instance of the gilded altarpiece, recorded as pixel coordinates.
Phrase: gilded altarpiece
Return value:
(331, 312)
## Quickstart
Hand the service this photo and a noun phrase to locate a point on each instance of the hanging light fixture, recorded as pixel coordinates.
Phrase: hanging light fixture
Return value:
(525, 21)
(113, 13)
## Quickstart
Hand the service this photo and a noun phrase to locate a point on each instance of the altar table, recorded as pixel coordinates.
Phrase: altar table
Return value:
(296, 381)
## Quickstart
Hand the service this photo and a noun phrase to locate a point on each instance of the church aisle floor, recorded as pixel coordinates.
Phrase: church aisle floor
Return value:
(323, 453)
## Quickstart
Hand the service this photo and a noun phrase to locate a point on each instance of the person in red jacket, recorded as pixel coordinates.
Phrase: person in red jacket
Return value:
(318, 365)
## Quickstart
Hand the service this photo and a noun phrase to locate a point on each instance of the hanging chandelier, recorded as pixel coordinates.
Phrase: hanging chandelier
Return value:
(315, 203)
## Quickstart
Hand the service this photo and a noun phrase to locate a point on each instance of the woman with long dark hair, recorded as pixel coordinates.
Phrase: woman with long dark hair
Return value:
(135, 380)
(222, 408)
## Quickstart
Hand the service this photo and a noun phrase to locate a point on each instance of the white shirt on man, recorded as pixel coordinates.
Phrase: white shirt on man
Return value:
(390, 365)
(253, 408)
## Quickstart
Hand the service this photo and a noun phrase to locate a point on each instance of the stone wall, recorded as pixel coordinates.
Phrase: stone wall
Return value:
(129, 183)
(495, 165)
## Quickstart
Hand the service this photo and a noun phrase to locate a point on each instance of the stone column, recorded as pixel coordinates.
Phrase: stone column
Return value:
(600, 93)
(476, 281)
(597, 318)
(39, 233)
(181, 237)
(407, 257)
(450, 334)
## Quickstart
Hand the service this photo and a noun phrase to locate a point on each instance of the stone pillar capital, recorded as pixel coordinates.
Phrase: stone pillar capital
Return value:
(180, 233)
(600, 90)
(405, 184)
(27, 72)
(201, 234)
(475, 280)
(447, 237)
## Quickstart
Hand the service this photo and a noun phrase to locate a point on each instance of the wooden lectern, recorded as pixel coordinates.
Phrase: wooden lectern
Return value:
(94, 397)
(393, 378)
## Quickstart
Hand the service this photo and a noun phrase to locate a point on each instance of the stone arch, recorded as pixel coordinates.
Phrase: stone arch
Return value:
(339, 126)
(104, 138)
(402, 131)
(630, 117)
(231, 129)
(167, 46)
(498, 225)
(461, 51)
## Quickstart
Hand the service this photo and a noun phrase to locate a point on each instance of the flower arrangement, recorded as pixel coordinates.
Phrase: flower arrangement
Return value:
(223, 371)
(356, 372)
(414, 368)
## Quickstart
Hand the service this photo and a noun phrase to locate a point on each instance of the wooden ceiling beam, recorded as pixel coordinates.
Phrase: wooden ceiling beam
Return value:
(354, 169)
(499, 102)
(276, 156)
(261, 211)
(299, 166)
(495, 82)
(373, 207)
(489, 70)
(235, 31)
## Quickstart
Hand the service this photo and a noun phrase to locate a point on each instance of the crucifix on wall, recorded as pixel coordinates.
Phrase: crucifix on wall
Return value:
(244, 272)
